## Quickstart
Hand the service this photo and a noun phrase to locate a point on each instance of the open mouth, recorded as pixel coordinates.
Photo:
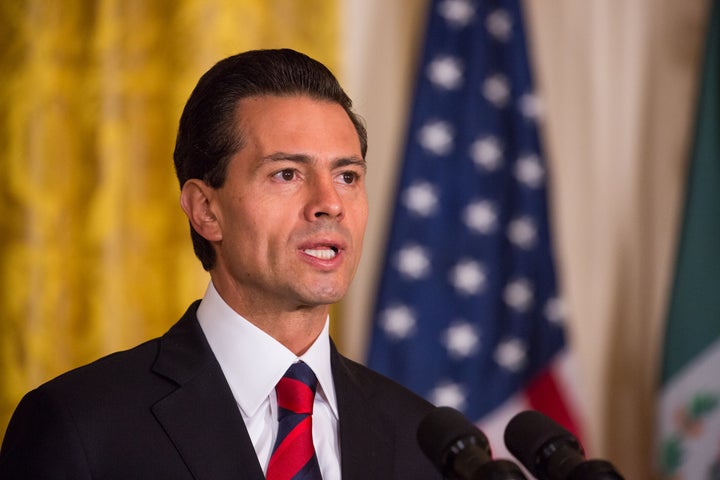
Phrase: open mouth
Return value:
(325, 253)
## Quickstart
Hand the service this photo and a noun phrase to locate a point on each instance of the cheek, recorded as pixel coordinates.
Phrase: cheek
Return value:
(360, 217)
(266, 228)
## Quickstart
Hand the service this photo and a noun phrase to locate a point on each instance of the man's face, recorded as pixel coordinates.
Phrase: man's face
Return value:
(293, 209)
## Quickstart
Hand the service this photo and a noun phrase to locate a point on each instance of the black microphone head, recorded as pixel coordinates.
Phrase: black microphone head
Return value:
(440, 431)
(530, 432)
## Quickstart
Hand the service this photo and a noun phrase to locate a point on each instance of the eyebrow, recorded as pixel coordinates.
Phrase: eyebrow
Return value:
(307, 159)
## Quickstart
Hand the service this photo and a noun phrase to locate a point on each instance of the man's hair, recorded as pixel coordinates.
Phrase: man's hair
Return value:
(208, 135)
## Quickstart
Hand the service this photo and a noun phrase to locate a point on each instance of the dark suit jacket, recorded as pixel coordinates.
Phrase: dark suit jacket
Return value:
(163, 410)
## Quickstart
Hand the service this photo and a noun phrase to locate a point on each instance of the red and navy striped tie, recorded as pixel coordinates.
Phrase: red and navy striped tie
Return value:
(293, 456)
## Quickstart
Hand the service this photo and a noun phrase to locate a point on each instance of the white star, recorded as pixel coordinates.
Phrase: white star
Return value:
(519, 295)
(461, 339)
(496, 89)
(481, 216)
(468, 277)
(530, 106)
(511, 354)
(398, 322)
(555, 311)
(457, 13)
(487, 152)
(529, 170)
(446, 72)
(449, 394)
(413, 262)
(421, 198)
(522, 232)
(437, 137)
(499, 24)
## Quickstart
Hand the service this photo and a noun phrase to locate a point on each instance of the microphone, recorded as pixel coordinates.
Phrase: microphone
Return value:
(550, 452)
(459, 450)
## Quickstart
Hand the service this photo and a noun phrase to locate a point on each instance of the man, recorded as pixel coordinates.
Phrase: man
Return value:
(271, 163)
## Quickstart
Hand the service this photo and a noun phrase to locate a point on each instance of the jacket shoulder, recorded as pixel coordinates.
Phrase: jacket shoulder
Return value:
(385, 391)
(379, 419)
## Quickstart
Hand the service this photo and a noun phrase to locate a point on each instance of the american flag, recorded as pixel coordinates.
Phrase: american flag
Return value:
(468, 313)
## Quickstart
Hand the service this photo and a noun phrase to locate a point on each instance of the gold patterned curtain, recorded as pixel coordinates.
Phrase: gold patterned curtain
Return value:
(95, 253)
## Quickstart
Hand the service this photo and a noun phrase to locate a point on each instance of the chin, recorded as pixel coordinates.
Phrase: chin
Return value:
(328, 296)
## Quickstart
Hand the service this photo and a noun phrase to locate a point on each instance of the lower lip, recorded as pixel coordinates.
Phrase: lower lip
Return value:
(323, 264)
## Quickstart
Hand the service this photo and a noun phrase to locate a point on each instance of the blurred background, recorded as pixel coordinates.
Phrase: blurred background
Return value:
(95, 254)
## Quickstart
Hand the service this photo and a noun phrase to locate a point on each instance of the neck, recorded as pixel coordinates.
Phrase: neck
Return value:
(294, 326)
(296, 334)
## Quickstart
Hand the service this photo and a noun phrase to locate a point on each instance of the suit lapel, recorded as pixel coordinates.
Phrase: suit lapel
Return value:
(365, 449)
(201, 417)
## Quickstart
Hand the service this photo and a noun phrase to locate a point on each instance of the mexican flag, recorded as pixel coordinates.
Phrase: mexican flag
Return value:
(689, 408)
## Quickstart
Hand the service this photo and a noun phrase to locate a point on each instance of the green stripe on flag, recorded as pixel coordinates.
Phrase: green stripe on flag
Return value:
(694, 313)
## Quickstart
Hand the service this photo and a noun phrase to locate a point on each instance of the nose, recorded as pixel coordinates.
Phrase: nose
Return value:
(324, 200)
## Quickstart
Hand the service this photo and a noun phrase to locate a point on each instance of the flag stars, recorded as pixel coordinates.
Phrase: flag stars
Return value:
(461, 339)
(522, 232)
(519, 295)
(468, 277)
(413, 262)
(449, 394)
(529, 171)
(511, 354)
(487, 152)
(457, 13)
(421, 198)
(446, 72)
(499, 24)
(398, 322)
(530, 106)
(481, 216)
(496, 89)
(437, 137)
(470, 234)
(555, 311)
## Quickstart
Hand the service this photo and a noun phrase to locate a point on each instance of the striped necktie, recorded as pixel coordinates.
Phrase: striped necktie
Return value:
(293, 456)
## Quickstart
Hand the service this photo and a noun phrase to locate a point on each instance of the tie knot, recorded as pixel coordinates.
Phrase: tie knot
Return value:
(296, 389)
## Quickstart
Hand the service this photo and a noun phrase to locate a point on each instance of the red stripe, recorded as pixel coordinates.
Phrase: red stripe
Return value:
(294, 395)
(293, 453)
(544, 395)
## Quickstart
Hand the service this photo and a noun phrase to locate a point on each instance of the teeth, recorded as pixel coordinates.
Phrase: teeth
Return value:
(322, 254)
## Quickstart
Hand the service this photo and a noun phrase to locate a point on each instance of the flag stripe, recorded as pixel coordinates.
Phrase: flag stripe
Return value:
(545, 394)
(693, 318)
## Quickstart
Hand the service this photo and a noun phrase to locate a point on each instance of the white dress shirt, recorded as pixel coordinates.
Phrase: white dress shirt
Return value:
(253, 362)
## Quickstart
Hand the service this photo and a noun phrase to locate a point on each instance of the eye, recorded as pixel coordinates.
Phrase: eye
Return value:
(285, 175)
(348, 177)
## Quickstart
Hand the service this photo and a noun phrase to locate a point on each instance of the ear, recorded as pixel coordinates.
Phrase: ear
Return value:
(196, 200)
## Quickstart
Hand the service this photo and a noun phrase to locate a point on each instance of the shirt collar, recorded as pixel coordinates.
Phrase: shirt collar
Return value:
(253, 361)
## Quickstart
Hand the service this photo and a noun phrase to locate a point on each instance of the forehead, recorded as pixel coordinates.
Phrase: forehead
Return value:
(298, 126)
(299, 113)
